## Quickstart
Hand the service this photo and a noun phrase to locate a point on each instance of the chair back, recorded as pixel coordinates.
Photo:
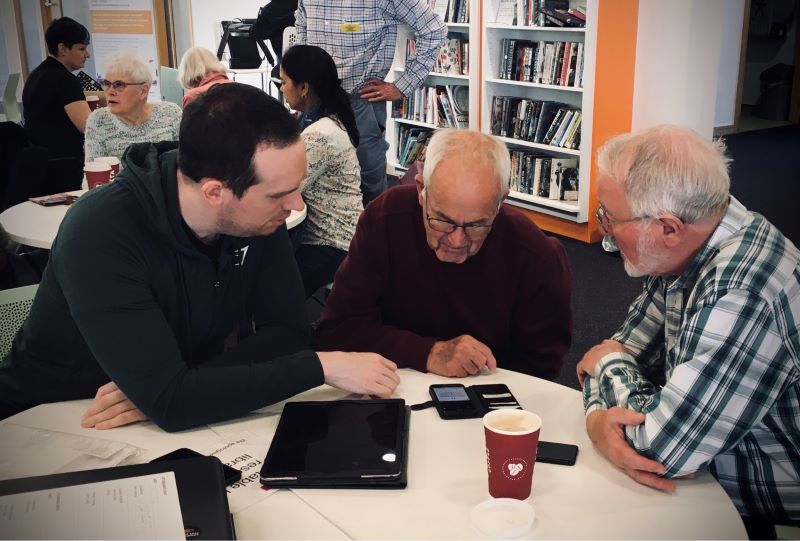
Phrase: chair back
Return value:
(15, 305)
(10, 103)
(171, 89)
(289, 37)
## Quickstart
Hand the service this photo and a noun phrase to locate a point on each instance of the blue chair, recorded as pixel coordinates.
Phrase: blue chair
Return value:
(10, 103)
(171, 89)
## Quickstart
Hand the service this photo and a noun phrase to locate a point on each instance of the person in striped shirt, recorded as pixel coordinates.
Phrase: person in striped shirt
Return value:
(360, 36)
(704, 373)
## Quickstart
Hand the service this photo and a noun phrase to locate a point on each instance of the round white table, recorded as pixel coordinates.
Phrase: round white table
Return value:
(35, 225)
(446, 477)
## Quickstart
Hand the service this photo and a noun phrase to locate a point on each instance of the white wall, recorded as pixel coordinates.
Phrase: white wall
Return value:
(207, 14)
(35, 49)
(677, 63)
(728, 81)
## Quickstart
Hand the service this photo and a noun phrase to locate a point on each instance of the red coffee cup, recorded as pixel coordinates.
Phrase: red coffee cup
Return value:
(113, 161)
(93, 102)
(97, 174)
(512, 437)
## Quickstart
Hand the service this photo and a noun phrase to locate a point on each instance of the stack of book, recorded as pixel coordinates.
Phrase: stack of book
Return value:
(544, 62)
(441, 106)
(550, 177)
(451, 11)
(411, 141)
(546, 122)
(540, 13)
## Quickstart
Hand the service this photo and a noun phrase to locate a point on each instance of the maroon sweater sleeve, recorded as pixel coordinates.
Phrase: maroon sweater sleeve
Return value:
(351, 319)
(541, 323)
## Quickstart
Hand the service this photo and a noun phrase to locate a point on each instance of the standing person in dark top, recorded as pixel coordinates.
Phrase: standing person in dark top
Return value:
(55, 108)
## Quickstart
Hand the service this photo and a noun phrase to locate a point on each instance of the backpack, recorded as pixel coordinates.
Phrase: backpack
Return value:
(272, 20)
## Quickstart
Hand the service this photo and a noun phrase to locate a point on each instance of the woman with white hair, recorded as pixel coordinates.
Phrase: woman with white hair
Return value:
(128, 117)
(200, 70)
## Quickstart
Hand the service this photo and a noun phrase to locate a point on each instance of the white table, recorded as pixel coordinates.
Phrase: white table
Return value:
(34, 225)
(447, 477)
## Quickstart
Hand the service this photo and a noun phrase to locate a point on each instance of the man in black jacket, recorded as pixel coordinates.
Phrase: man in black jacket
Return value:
(177, 283)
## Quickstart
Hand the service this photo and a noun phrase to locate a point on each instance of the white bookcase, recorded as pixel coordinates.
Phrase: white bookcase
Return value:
(469, 31)
(491, 56)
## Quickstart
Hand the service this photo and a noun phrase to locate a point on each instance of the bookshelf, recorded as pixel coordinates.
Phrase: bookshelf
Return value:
(604, 98)
(527, 68)
(455, 31)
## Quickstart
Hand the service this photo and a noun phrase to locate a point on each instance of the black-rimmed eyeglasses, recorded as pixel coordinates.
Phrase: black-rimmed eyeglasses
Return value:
(119, 86)
(471, 230)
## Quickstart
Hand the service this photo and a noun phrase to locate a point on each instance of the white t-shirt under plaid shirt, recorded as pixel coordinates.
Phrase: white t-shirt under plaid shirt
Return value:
(360, 36)
(726, 334)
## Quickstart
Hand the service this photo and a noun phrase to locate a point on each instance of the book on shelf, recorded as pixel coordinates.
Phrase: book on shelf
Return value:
(546, 122)
(542, 62)
(440, 8)
(506, 11)
(441, 106)
(578, 12)
(411, 141)
(451, 11)
(560, 17)
(560, 169)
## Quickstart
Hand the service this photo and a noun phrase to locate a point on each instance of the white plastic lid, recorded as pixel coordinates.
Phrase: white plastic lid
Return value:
(502, 518)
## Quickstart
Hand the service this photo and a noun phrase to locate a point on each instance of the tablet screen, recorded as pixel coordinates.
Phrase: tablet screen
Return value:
(346, 439)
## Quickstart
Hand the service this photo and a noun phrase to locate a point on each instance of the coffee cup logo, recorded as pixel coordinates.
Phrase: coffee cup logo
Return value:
(514, 468)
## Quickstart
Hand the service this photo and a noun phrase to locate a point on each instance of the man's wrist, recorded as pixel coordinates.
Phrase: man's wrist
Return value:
(609, 358)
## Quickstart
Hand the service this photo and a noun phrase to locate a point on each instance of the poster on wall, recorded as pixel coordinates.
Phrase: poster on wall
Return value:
(125, 25)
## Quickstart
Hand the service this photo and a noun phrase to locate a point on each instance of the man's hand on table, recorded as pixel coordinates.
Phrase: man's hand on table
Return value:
(606, 429)
(110, 409)
(460, 357)
(586, 366)
(362, 373)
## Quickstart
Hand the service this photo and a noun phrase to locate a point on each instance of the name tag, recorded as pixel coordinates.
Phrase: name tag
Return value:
(350, 27)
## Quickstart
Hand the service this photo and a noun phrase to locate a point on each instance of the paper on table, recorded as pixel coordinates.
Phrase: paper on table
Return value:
(244, 452)
(144, 507)
(26, 451)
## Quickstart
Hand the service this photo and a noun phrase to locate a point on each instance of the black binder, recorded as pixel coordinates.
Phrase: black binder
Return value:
(201, 491)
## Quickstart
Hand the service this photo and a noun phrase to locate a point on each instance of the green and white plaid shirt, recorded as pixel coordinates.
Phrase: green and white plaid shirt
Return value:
(724, 339)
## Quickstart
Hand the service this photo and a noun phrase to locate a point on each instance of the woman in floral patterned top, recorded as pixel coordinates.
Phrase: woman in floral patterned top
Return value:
(332, 187)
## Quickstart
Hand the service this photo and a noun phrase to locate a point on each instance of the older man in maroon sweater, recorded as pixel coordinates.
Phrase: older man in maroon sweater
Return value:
(442, 277)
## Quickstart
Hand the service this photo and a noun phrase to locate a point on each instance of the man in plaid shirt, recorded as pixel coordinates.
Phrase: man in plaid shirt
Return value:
(360, 35)
(704, 372)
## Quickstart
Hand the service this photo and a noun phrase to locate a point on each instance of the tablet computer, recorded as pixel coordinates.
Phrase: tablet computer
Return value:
(342, 443)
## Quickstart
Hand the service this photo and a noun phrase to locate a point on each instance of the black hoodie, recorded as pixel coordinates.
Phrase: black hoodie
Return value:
(128, 296)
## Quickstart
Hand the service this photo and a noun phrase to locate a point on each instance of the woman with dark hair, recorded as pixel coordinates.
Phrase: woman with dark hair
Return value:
(332, 187)
(54, 104)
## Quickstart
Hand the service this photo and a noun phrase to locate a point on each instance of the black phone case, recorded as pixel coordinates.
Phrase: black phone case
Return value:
(492, 396)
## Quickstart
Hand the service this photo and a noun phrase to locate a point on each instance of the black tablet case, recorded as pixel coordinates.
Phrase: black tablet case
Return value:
(337, 445)
(201, 491)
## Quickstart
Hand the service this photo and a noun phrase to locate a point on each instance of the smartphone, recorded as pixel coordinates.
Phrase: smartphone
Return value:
(232, 475)
(557, 453)
(453, 402)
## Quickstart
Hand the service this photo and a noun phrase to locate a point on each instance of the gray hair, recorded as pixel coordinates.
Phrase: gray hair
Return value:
(471, 146)
(196, 63)
(671, 169)
(127, 64)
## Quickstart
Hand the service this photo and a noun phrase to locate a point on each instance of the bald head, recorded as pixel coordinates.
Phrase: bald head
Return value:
(468, 150)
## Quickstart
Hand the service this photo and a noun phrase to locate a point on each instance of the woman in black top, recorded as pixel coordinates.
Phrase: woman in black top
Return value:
(54, 104)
